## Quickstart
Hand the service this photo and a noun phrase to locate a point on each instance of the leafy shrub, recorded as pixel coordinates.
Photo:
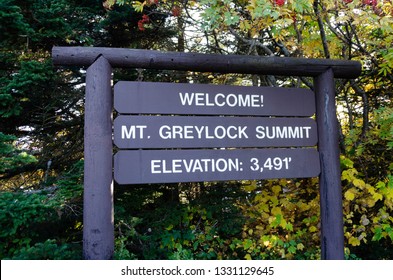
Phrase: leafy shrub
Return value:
(29, 221)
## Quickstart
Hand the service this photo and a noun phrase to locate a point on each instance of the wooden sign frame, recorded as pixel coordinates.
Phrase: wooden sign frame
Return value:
(98, 231)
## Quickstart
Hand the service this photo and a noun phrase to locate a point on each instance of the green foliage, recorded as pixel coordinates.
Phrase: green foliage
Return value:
(49, 250)
(41, 111)
(12, 23)
(125, 234)
(27, 89)
(197, 237)
(368, 188)
(194, 222)
(367, 211)
(10, 157)
(28, 220)
(383, 128)
(281, 220)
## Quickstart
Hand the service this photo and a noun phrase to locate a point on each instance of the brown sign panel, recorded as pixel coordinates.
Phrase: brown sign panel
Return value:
(169, 166)
(203, 99)
(134, 132)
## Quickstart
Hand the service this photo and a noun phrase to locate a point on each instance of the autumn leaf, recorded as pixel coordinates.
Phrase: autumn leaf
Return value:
(354, 241)
(349, 195)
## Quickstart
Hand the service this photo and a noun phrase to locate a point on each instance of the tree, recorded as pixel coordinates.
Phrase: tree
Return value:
(41, 111)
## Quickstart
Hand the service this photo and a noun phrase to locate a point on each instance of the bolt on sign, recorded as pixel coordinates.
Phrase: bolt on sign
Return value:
(196, 132)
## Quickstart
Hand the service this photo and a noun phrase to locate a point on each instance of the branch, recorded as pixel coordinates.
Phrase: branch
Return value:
(7, 174)
(321, 29)
(361, 92)
(251, 42)
(286, 53)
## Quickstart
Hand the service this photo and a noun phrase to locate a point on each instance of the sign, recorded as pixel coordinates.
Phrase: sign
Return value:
(167, 166)
(202, 99)
(98, 199)
(134, 132)
(231, 129)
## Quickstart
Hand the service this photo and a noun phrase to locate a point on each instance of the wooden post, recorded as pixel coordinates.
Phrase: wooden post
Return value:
(198, 62)
(98, 231)
(332, 232)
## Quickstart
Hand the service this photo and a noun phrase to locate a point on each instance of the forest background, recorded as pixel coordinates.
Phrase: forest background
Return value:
(41, 129)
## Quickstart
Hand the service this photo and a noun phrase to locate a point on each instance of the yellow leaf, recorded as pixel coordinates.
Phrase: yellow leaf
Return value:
(276, 189)
(283, 223)
(349, 195)
(349, 174)
(276, 211)
(300, 246)
(359, 183)
(138, 6)
(245, 25)
(312, 229)
(370, 188)
(274, 200)
(260, 227)
(303, 206)
(248, 257)
(377, 196)
(251, 187)
(354, 241)
(381, 185)
(369, 87)
(370, 202)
